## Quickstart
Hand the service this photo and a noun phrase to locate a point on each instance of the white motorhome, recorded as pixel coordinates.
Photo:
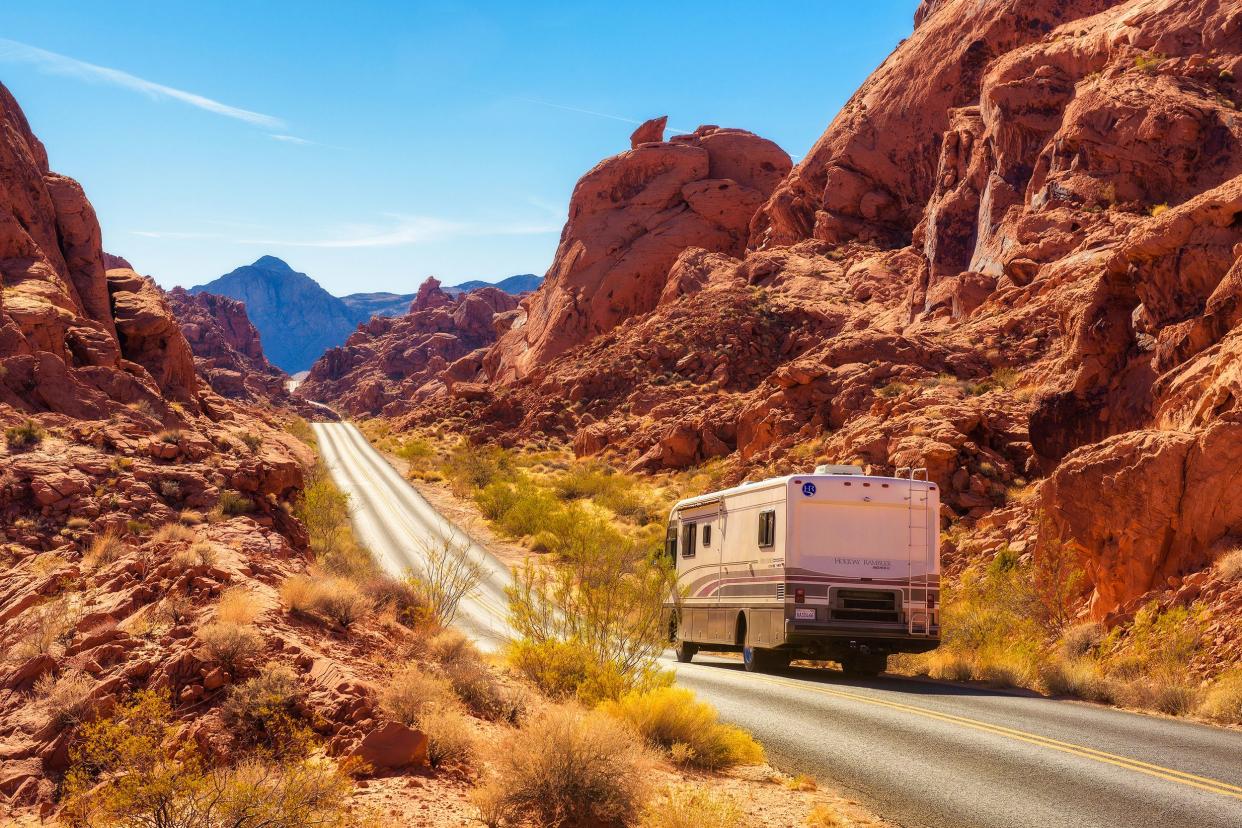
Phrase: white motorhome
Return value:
(835, 565)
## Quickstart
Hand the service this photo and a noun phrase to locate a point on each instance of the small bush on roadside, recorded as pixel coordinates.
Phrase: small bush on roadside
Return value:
(408, 693)
(450, 646)
(1081, 639)
(1170, 693)
(1081, 678)
(233, 503)
(825, 816)
(801, 782)
(671, 716)
(450, 738)
(689, 807)
(406, 603)
(64, 697)
(233, 646)
(567, 767)
(105, 549)
(469, 467)
(1223, 701)
(238, 605)
(479, 690)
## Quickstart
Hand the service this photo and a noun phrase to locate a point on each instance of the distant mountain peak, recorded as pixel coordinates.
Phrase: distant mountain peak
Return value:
(272, 263)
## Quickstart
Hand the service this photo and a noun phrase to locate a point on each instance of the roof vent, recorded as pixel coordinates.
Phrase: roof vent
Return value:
(832, 468)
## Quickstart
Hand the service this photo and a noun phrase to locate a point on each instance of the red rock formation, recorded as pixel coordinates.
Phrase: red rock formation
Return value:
(629, 220)
(395, 359)
(226, 347)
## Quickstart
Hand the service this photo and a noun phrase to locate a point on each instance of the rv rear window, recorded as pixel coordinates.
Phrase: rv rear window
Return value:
(707, 535)
(688, 536)
(767, 527)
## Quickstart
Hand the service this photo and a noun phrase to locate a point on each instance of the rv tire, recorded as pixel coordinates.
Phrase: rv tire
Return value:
(683, 651)
(860, 666)
(760, 660)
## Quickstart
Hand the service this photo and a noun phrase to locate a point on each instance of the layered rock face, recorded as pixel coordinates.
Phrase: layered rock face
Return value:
(226, 347)
(397, 360)
(1013, 258)
(629, 220)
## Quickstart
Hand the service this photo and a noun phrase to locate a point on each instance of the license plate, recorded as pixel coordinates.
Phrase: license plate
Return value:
(804, 613)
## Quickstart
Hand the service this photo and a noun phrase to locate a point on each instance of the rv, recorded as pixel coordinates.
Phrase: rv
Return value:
(835, 565)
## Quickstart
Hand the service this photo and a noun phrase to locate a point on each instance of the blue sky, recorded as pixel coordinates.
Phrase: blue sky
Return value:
(372, 144)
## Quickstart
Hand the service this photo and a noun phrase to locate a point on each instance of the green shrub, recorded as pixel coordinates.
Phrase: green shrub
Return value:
(469, 468)
(233, 503)
(262, 712)
(671, 716)
(24, 437)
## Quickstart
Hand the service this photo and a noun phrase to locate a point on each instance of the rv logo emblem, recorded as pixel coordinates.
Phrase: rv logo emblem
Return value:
(808, 489)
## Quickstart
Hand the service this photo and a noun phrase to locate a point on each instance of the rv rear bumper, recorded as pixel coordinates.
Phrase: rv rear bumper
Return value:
(838, 638)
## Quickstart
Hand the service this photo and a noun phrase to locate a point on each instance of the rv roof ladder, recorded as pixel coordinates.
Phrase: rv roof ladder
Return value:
(916, 539)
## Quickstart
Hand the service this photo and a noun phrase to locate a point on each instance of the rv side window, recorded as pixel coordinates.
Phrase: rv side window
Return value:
(688, 533)
(767, 527)
(707, 535)
(670, 542)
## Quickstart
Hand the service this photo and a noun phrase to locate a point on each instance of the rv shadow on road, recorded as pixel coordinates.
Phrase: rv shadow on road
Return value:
(909, 685)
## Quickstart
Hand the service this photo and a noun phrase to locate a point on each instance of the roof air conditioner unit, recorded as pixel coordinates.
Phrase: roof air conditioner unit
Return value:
(832, 468)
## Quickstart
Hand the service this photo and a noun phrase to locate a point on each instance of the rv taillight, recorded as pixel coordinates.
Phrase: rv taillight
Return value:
(799, 596)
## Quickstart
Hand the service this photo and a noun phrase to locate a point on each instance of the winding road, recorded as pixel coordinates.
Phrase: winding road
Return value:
(918, 753)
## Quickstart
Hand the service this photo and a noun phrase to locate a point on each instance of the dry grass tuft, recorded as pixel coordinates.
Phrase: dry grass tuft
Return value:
(690, 807)
(105, 549)
(450, 737)
(238, 605)
(671, 716)
(410, 692)
(824, 816)
(338, 600)
(66, 697)
(233, 646)
(567, 767)
(1229, 565)
(1223, 701)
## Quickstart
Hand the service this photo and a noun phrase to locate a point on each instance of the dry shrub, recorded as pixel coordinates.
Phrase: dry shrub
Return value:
(450, 646)
(129, 770)
(450, 571)
(450, 737)
(690, 807)
(262, 710)
(1078, 677)
(24, 437)
(1167, 692)
(175, 609)
(238, 605)
(77, 523)
(1081, 639)
(410, 692)
(670, 716)
(231, 645)
(190, 517)
(567, 768)
(339, 600)
(1223, 701)
(825, 816)
(480, 691)
(52, 627)
(66, 697)
(801, 782)
(234, 503)
(105, 549)
(406, 604)
(1229, 565)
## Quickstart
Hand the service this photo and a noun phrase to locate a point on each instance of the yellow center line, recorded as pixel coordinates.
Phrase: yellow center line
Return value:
(1203, 783)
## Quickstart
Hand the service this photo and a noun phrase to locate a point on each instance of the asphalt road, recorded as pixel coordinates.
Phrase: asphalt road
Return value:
(918, 753)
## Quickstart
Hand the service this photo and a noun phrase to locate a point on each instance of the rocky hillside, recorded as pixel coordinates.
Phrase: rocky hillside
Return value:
(1013, 258)
(441, 339)
(226, 347)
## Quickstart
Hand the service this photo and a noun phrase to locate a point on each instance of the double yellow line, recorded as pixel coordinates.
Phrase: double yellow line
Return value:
(1182, 777)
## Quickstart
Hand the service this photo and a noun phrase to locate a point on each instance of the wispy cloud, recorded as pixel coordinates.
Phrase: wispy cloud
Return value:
(291, 139)
(13, 52)
(580, 111)
(403, 231)
(173, 234)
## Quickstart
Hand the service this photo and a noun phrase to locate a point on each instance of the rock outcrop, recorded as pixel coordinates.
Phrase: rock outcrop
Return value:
(629, 220)
(226, 347)
(397, 359)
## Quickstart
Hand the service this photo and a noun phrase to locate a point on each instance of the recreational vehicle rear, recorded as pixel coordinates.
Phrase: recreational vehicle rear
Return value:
(834, 565)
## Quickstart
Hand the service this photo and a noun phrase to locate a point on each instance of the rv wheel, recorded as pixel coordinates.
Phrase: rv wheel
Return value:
(684, 651)
(759, 660)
